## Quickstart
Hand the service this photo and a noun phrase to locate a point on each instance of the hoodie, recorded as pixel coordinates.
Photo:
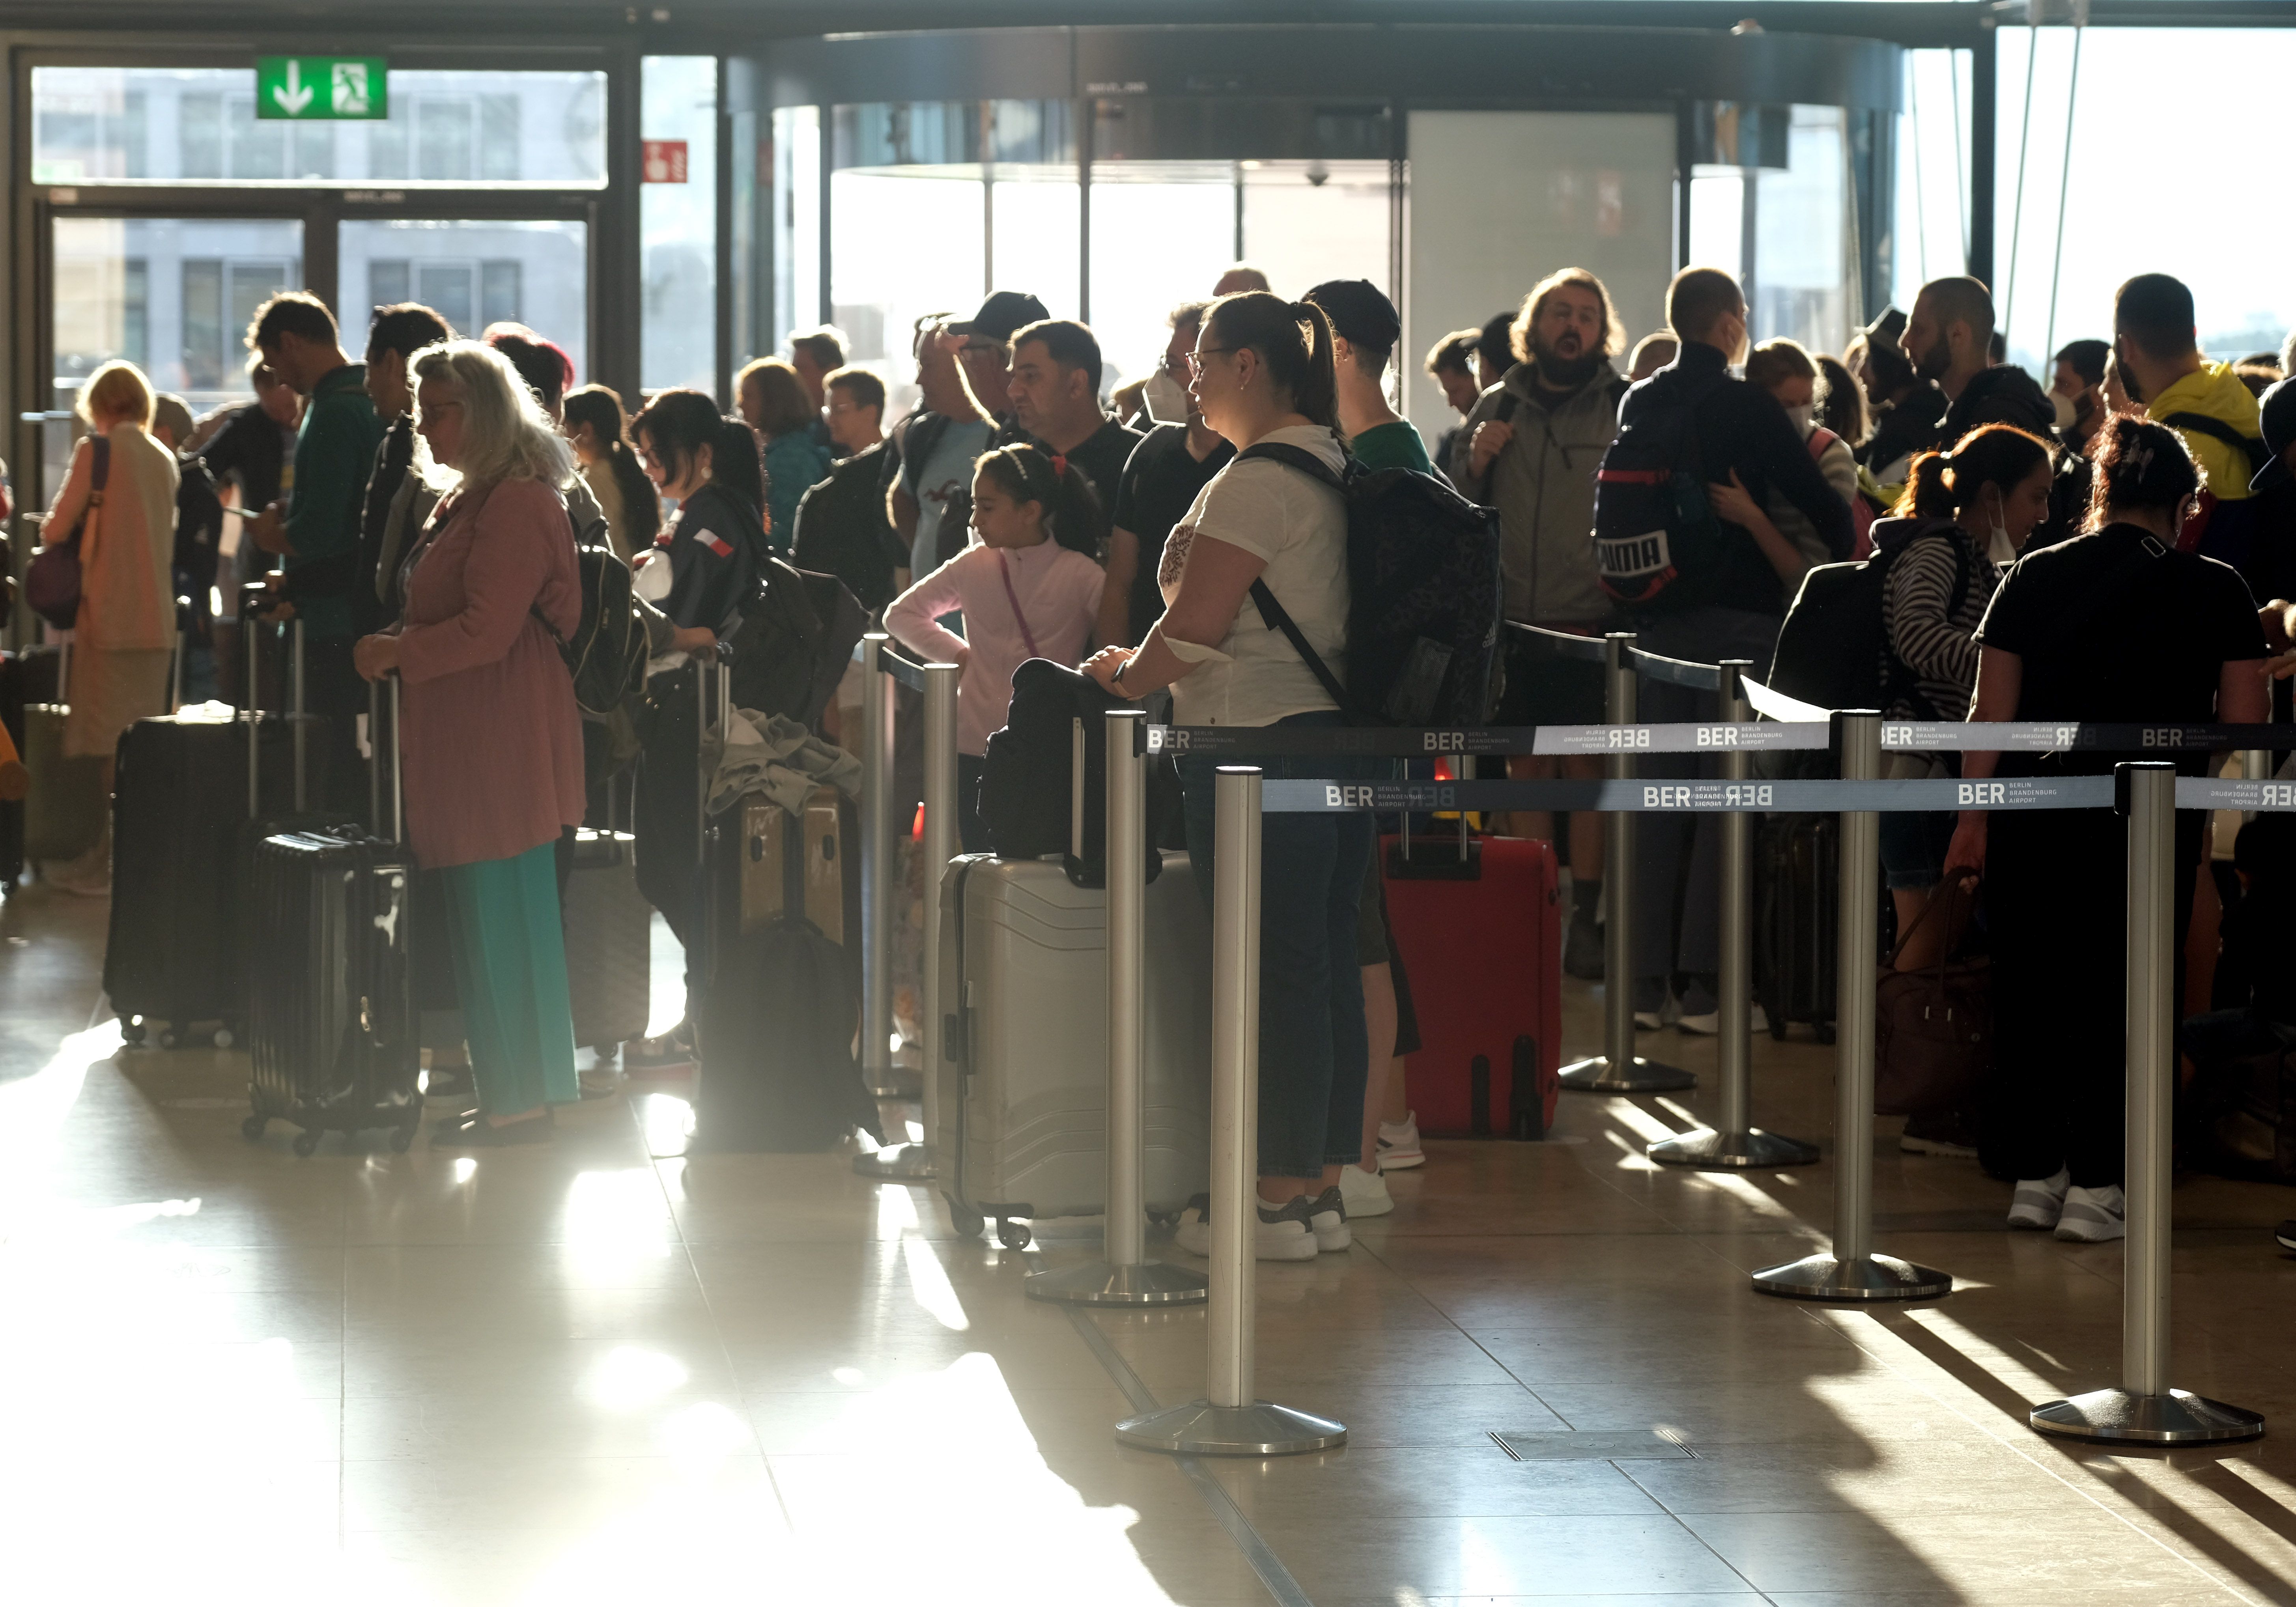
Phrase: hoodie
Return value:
(2213, 391)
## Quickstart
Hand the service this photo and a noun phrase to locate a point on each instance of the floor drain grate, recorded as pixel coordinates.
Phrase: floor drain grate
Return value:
(1601, 1445)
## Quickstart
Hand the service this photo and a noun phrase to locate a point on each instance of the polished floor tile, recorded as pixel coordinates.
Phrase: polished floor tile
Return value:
(597, 1373)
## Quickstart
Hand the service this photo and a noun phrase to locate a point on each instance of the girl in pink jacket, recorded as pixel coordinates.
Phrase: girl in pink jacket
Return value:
(1028, 587)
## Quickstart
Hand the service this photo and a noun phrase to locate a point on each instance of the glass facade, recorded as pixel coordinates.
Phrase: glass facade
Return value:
(678, 225)
(197, 125)
(472, 273)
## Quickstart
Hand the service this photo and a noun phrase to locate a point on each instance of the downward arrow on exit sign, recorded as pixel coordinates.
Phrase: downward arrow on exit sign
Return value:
(322, 88)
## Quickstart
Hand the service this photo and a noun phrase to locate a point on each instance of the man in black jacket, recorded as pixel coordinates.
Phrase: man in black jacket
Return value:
(1730, 609)
(395, 506)
(1949, 338)
(842, 527)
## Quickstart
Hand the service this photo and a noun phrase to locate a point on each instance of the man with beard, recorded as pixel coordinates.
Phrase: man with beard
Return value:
(1949, 339)
(1531, 448)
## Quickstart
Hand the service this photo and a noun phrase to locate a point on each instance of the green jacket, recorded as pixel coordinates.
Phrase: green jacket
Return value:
(334, 451)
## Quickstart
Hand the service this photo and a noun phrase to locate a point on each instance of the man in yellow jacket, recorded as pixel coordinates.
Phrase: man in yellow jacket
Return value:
(2154, 336)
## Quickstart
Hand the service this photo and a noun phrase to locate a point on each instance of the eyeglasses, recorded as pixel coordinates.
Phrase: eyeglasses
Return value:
(1196, 359)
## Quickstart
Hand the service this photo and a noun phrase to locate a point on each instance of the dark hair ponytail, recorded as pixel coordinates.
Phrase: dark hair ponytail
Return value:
(678, 424)
(1942, 484)
(2140, 466)
(1292, 337)
(600, 409)
(738, 464)
(1072, 512)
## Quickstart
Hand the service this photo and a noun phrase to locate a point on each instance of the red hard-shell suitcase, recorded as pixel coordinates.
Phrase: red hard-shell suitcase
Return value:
(1483, 940)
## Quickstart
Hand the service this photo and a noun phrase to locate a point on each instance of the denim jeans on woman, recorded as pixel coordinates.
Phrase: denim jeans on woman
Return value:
(1314, 1049)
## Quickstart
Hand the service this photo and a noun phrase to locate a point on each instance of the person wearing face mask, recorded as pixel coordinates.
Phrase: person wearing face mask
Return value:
(1785, 370)
(1531, 448)
(1174, 461)
(2077, 391)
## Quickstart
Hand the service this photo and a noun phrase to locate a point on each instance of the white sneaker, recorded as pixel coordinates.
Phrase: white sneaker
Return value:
(1327, 1219)
(1365, 1193)
(2094, 1216)
(1398, 1144)
(2038, 1202)
(1284, 1232)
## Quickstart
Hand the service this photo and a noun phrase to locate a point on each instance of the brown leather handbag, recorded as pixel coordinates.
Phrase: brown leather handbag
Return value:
(1933, 1029)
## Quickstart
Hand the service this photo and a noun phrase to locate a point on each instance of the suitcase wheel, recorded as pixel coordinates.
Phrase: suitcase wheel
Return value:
(169, 1038)
(401, 1137)
(252, 1128)
(964, 1221)
(224, 1039)
(1826, 1032)
(1777, 1026)
(307, 1143)
(132, 1029)
(1011, 1234)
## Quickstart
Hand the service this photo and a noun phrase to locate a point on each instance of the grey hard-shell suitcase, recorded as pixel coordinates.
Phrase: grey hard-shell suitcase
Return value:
(609, 943)
(1023, 1049)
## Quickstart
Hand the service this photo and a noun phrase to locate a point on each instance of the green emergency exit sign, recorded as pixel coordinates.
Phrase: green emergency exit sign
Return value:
(322, 88)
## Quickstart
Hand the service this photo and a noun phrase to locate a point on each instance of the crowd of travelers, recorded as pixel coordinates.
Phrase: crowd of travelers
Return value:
(418, 511)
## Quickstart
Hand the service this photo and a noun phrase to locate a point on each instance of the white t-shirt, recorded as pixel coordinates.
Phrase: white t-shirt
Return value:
(1299, 526)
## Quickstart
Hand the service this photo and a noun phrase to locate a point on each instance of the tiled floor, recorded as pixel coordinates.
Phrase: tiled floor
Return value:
(581, 1375)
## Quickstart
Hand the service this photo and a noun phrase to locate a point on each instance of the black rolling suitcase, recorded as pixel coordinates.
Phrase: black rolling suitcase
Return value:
(332, 1024)
(184, 794)
(1798, 880)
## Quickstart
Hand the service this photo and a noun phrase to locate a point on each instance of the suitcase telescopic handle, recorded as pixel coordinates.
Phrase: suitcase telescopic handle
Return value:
(375, 724)
(253, 598)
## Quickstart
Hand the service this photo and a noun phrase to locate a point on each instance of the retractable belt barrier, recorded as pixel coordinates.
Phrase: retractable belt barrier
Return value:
(1757, 736)
(908, 672)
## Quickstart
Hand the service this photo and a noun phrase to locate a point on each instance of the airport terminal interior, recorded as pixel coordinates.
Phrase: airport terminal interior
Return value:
(627, 1366)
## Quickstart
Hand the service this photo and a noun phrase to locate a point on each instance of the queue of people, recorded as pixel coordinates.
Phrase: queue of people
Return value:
(1011, 515)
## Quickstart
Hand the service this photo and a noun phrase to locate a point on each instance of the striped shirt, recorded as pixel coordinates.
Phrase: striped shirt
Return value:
(1934, 638)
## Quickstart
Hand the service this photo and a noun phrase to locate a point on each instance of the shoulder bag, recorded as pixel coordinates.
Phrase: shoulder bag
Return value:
(1933, 1029)
(52, 579)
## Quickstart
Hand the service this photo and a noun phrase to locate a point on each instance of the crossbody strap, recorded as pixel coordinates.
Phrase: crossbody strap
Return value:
(1274, 612)
(1013, 597)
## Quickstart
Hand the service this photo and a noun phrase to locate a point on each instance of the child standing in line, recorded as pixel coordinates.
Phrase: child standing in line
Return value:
(1028, 587)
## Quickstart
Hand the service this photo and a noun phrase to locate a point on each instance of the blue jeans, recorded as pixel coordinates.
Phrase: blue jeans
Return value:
(1314, 1049)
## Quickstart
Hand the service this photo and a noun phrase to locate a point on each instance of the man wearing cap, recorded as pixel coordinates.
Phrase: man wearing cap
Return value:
(1056, 397)
(984, 354)
(1365, 328)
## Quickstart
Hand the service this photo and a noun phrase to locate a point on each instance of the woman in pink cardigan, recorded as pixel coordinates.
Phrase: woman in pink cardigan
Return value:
(492, 742)
(1028, 587)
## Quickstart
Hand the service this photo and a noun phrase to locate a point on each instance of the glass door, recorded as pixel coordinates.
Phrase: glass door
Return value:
(472, 272)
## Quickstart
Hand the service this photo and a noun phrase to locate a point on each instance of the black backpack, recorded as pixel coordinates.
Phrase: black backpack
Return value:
(1423, 597)
(606, 654)
(1655, 533)
(796, 635)
(199, 528)
(1028, 797)
(841, 530)
(1833, 648)
(2254, 534)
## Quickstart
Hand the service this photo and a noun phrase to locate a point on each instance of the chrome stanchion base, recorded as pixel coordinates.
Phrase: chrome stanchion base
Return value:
(1595, 1075)
(897, 1084)
(2116, 1416)
(1824, 1278)
(1710, 1150)
(1101, 1284)
(898, 1163)
(1201, 1429)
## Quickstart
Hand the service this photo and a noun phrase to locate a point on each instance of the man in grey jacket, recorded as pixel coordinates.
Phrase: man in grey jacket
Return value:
(1531, 448)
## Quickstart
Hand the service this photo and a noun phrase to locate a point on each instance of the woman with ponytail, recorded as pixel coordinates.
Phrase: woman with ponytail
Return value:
(1263, 377)
(2115, 626)
(598, 432)
(1962, 515)
(1028, 587)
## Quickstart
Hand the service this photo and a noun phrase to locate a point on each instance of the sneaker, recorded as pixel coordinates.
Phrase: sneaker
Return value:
(1398, 1144)
(1327, 1219)
(2038, 1202)
(1950, 1133)
(2094, 1216)
(1698, 1012)
(1582, 949)
(670, 1054)
(2284, 1236)
(1654, 1006)
(1365, 1193)
(1283, 1234)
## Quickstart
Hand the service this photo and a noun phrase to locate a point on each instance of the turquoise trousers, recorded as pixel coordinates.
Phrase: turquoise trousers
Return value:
(509, 956)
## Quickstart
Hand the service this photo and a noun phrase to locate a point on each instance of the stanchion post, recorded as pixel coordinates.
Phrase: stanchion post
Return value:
(1852, 1271)
(1618, 1069)
(298, 724)
(877, 874)
(1734, 1143)
(1124, 1276)
(916, 1162)
(1230, 1420)
(2145, 1410)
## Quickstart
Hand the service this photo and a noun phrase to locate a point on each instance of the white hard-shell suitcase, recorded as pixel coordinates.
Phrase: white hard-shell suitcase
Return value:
(1023, 1049)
